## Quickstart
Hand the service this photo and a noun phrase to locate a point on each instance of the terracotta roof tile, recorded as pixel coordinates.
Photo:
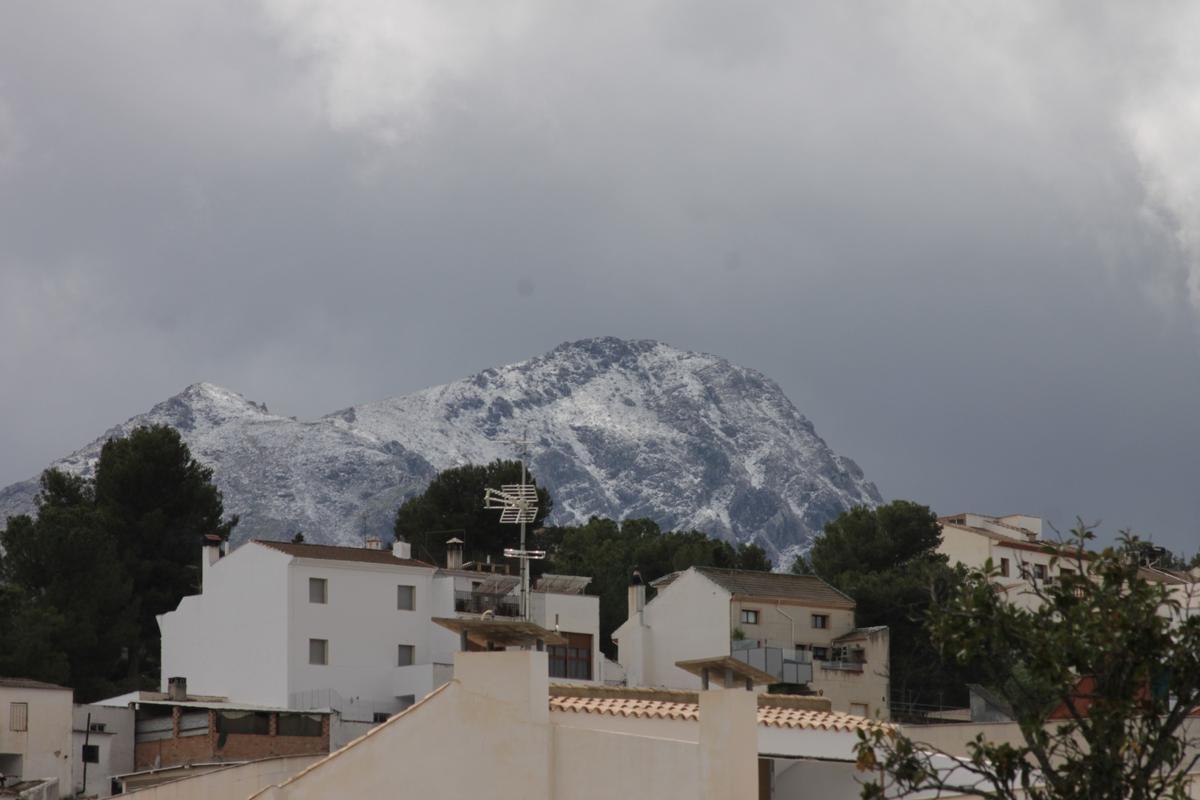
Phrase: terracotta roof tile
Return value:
(772, 716)
(330, 552)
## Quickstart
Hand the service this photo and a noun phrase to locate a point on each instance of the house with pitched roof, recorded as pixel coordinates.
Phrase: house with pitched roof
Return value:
(287, 625)
(797, 628)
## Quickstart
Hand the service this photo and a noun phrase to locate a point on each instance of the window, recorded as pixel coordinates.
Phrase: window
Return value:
(859, 709)
(380, 716)
(1004, 568)
(820, 653)
(750, 616)
(572, 660)
(406, 700)
(256, 723)
(317, 590)
(318, 651)
(1039, 572)
(404, 657)
(298, 725)
(820, 620)
(405, 598)
(18, 716)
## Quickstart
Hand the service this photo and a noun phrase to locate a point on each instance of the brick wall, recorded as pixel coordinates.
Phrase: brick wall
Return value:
(180, 750)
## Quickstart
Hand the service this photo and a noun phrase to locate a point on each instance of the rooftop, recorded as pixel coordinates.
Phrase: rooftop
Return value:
(28, 683)
(329, 552)
(777, 716)
(777, 586)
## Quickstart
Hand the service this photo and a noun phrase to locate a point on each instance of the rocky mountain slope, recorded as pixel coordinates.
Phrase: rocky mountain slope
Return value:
(615, 428)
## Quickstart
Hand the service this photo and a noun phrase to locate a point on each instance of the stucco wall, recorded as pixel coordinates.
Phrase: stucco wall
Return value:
(231, 640)
(364, 628)
(828, 780)
(115, 746)
(229, 783)
(777, 630)
(45, 748)
(688, 619)
(572, 613)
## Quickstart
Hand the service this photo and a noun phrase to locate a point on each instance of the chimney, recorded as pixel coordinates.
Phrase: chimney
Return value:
(177, 689)
(637, 595)
(454, 553)
(374, 543)
(401, 548)
(213, 548)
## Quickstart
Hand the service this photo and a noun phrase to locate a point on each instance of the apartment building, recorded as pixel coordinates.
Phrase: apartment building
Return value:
(307, 626)
(796, 628)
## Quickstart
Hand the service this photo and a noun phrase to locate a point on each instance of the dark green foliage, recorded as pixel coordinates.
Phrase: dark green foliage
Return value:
(452, 505)
(886, 559)
(609, 551)
(1102, 676)
(87, 577)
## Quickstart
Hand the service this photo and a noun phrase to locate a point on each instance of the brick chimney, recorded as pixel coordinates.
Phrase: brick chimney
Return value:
(177, 689)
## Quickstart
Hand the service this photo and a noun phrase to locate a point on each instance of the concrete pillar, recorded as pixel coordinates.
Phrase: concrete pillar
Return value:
(729, 744)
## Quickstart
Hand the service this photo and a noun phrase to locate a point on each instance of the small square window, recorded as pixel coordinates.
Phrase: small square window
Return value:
(1039, 572)
(749, 616)
(405, 598)
(318, 590)
(318, 651)
(820, 653)
(820, 620)
(1004, 568)
(404, 657)
(18, 716)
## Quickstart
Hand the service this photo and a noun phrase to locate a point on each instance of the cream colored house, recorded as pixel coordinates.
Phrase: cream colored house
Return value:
(35, 732)
(798, 628)
(1017, 550)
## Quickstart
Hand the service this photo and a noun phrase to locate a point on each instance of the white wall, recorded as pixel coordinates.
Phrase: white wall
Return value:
(45, 747)
(828, 780)
(364, 628)
(688, 619)
(227, 783)
(231, 640)
(115, 747)
(573, 613)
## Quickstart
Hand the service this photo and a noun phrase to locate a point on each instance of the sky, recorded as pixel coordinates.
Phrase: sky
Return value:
(964, 238)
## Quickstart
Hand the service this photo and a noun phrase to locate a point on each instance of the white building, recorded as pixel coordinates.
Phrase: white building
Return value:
(795, 627)
(102, 746)
(1018, 551)
(306, 626)
(35, 732)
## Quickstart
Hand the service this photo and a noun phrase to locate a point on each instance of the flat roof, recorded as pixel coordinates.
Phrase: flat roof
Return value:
(501, 632)
(29, 683)
(330, 552)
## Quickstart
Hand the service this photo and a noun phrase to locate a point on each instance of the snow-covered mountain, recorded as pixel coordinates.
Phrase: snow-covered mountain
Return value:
(616, 428)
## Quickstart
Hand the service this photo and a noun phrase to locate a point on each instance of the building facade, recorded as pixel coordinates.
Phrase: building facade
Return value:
(795, 627)
(305, 626)
(35, 732)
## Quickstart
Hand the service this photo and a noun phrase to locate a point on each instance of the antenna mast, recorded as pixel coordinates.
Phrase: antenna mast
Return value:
(518, 504)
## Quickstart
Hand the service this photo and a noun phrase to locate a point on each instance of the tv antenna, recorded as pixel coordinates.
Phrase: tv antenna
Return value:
(518, 505)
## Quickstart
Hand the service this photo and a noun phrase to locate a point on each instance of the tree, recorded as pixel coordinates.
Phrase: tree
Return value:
(886, 559)
(452, 505)
(86, 577)
(1102, 676)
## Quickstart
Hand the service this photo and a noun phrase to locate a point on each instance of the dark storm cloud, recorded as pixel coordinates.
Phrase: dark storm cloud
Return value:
(962, 239)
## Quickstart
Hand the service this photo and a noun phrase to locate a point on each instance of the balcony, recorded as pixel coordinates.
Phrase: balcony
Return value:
(843, 666)
(477, 603)
(785, 663)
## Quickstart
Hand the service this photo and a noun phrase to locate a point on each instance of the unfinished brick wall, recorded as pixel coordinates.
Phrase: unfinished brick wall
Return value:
(180, 750)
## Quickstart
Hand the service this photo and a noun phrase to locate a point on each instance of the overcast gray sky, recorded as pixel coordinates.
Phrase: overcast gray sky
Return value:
(964, 237)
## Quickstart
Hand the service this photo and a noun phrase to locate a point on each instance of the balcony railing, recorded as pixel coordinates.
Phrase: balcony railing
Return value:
(843, 666)
(785, 663)
(475, 603)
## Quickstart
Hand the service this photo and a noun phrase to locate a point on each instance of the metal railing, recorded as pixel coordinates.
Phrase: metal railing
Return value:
(843, 666)
(785, 663)
(476, 603)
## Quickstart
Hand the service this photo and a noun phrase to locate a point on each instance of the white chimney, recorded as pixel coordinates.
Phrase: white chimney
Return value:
(401, 549)
(637, 595)
(454, 553)
(211, 552)
(374, 543)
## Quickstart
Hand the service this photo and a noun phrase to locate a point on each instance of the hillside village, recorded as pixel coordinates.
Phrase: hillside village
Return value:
(302, 670)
